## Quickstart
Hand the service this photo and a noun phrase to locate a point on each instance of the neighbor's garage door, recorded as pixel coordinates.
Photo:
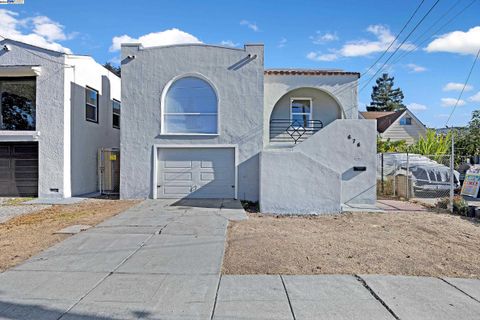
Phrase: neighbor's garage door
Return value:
(196, 173)
(19, 169)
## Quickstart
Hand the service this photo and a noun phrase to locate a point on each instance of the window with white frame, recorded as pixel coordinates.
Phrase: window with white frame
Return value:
(301, 111)
(91, 105)
(190, 107)
(116, 114)
(406, 121)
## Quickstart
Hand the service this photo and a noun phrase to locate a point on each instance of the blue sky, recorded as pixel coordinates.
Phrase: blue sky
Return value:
(340, 34)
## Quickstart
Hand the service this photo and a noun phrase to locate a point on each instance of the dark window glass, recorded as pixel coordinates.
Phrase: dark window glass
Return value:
(116, 113)
(17, 103)
(91, 104)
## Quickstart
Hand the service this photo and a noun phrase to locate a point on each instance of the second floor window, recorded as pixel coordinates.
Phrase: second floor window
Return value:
(91, 105)
(301, 112)
(190, 107)
(116, 114)
(407, 121)
(17, 103)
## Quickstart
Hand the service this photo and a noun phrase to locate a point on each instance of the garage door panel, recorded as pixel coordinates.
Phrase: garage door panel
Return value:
(18, 169)
(177, 164)
(175, 176)
(210, 173)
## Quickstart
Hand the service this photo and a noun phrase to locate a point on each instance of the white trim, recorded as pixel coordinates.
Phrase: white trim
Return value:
(20, 71)
(20, 135)
(164, 95)
(156, 147)
(309, 113)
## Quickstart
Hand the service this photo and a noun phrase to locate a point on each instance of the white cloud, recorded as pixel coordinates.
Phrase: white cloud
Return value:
(250, 25)
(153, 39)
(229, 43)
(321, 38)
(475, 97)
(282, 43)
(39, 31)
(450, 102)
(363, 47)
(417, 107)
(462, 42)
(414, 68)
(455, 86)
(318, 56)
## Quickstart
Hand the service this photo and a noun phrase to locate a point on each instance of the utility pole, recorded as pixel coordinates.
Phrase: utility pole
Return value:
(452, 163)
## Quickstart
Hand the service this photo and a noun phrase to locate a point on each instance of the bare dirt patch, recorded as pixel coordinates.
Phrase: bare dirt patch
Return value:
(421, 244)
(26, 235)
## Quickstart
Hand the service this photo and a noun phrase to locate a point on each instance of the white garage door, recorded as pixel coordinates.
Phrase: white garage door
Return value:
(196, 173)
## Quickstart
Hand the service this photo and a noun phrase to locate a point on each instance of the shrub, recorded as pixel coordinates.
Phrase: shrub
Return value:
(460, 206)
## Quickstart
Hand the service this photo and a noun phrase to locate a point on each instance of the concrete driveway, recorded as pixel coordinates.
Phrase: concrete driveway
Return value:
(162, 260)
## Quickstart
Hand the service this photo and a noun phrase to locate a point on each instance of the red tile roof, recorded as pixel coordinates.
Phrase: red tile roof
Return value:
(310, 72)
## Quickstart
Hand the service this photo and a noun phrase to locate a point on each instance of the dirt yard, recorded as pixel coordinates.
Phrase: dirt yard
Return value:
(422, 243)
(26, 235)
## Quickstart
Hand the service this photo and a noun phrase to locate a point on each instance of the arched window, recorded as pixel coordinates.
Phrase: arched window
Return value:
(191, 107)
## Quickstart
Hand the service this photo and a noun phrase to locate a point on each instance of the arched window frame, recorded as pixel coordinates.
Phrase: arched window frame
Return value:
(163, 105)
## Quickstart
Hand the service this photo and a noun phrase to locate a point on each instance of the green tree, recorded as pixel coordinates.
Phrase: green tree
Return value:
(114, 69)
(390, 146)
(384, 96)
(467, 141)
(432, 144)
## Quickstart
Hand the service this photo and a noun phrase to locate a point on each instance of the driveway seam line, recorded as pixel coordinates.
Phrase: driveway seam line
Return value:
(376, 296)
(216, 297)
(288, 297)
(104, 278)
(454, 286)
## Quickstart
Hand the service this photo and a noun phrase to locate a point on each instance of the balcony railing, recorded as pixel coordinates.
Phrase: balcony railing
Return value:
(286, 130)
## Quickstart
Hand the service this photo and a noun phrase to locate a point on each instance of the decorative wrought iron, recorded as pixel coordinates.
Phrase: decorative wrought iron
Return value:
(286, 130)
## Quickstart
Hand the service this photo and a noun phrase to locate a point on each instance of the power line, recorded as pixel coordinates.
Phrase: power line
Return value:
(396, 38)
(355, 84)
(401, 44)
(464, 86)
(427, 38)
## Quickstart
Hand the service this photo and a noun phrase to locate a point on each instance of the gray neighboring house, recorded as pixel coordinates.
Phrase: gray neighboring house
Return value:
(56, 111)
(397, 125)
(202, 121)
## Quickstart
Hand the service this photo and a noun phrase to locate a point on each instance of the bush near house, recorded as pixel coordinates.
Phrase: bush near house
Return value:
(460, 206)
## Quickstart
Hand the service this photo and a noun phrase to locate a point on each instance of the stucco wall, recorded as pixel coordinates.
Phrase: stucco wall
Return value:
(317, 175)
(49, 114)
(332, 147)
(293, 183)
(88, 137)
(324, 107)
(342, 87)
(239, 85)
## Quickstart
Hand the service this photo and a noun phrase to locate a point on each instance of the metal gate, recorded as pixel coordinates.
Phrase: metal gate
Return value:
(109, 170)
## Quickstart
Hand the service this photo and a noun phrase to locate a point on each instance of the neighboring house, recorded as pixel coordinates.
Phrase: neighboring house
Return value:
(397, 125)
(56, 111)
(201, 121)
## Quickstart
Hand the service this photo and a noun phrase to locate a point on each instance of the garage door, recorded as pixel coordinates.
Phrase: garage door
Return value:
(19, 169)
(196, 173)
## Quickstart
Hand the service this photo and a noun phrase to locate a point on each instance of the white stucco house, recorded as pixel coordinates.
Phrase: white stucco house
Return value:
(202, 121)
(56, 111)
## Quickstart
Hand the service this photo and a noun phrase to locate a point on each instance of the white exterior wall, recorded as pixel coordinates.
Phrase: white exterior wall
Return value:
(50, 115)
(341, 88)
(67, 144)
(87, 137)
(238, 82)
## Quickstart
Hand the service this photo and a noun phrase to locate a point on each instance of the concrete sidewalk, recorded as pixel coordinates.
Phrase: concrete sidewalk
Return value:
(162, 260)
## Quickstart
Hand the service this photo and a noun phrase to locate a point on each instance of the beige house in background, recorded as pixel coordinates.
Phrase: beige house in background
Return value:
(397, 125)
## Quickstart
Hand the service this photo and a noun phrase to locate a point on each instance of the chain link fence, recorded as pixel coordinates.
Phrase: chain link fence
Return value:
(429, 179)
